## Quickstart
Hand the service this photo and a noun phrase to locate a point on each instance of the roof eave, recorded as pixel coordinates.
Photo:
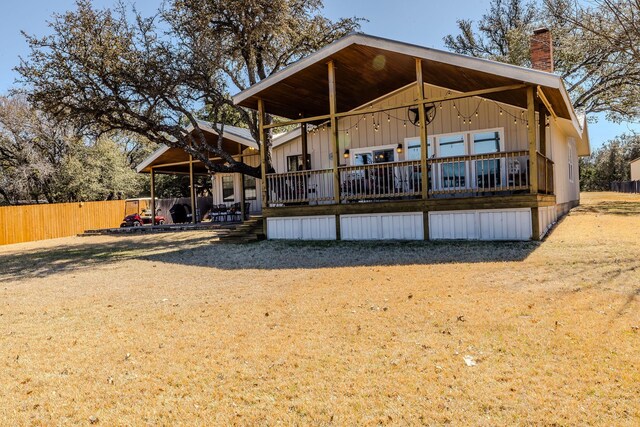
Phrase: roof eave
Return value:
(535, 77)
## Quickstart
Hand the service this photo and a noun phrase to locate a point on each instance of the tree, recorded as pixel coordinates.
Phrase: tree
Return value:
(502, 33)
(102, 71)
(601, 75)
(40, 160)
(610, 163)
(30, 151)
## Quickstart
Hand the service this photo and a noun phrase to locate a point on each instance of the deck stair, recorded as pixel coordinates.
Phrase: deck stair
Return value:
(248, 231)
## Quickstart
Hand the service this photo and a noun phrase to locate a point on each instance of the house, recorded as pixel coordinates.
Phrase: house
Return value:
(397, 141)
(635, 169)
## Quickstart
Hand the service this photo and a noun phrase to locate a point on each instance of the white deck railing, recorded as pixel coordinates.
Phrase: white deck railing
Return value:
(479, 173)
(474, 175)
(380, 181)
(301, 187)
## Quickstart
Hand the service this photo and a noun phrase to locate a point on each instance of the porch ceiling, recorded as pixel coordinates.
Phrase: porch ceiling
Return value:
(369, 67)
(176, 161)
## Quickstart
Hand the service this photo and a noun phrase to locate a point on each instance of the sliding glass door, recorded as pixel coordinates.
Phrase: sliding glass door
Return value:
(453, 174)
(487, 172)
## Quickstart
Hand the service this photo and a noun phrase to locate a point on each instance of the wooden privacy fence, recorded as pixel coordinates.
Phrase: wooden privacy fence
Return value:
(626, 186)
(49, 221)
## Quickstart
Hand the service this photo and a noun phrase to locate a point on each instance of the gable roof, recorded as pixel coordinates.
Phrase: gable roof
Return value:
(166, 155)
(367, 67)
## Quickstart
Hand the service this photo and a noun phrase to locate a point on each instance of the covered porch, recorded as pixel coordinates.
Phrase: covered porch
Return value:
(339, 93)
(217, 208)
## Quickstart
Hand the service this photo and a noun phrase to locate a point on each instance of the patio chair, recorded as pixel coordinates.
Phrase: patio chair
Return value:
(221, 212)
(235, 212)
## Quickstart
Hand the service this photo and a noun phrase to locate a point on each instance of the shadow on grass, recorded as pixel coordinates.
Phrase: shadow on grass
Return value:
(610, 208)
(76, 257)
(275, 255)
(268, 255)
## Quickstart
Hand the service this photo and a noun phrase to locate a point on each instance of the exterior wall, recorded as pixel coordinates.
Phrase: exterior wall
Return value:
(395, 226)
(302, 228)
(561, 150)
(493, 224)
(484, 224)
(635, 170)
(256, 205)
(392, 129)
(547, 216)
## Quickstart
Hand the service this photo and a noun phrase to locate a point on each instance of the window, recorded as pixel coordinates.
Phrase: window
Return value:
(227, 188)
(249, 188)
(370, 155)
(294, 163)
(413, 148)
(571, 161)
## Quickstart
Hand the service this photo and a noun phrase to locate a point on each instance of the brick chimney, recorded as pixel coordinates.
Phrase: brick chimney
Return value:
(542, 50)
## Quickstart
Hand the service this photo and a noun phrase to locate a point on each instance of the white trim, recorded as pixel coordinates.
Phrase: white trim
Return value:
(371, 149)
(156, 154)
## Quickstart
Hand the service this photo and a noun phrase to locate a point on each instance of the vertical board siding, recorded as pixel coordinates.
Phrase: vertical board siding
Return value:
(392, 226)
(394, 131)
(302, 228)
(547, 216)
(503, 224)
(49, 221)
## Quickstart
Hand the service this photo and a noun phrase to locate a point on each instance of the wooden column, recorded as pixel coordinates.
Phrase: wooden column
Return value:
(263, 160)
(424, 152)
(153, 197)
(335, 143)
(542, 128)
(242, 195)
(533, 161)
(535, 224)
(542, 136)
(192, 191)
(305, 146)
(335, 148)
(531, 137)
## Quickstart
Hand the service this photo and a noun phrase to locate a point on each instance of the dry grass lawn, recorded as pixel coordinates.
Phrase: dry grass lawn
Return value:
(175, 330)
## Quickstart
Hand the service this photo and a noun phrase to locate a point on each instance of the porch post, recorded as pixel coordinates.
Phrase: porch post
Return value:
(305, 147)
(263, 161)
(424, 174)
(334, 130)
(531, 136)
(335, 144)
(542, 136)
(533, 162)
(242, 201)
(423, 130)
(242, 209)
(542, 128)
(153, 197)
(192, 191)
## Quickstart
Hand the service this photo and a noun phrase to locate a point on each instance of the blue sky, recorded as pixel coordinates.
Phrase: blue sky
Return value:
(414, 21)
